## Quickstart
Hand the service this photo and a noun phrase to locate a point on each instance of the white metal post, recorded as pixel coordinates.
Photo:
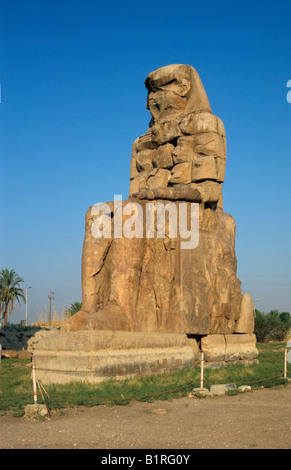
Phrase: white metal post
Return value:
(34, 383)
(202, 370)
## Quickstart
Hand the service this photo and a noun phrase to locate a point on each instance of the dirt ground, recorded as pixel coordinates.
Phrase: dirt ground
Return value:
(258, 419)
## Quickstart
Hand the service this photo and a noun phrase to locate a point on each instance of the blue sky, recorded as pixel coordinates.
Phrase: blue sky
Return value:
(73, 101)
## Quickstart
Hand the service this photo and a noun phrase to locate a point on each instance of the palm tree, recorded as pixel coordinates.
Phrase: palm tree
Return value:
(75, 307)
(10, 292)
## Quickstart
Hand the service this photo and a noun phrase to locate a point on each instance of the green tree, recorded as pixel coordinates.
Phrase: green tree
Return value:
(271, 326)
(285, 316)
(10, 292)
(74, 308)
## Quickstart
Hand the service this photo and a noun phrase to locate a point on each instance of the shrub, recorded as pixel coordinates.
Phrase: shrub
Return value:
(272, 325)
(285, 316)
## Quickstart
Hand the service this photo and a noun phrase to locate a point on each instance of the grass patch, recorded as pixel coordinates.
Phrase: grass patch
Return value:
(16, 383)
(117, 392)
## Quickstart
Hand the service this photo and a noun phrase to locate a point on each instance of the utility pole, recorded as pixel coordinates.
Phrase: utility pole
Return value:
(50, 296)
(26, 305)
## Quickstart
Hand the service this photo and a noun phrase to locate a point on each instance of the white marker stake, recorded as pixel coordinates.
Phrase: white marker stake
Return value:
(202, 370)
(34, 383)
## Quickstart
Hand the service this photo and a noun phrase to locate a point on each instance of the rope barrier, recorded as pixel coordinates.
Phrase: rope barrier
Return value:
(94, 372)
(119, 398)
(137, 397)
(20, 396)
(108, 372)
(106, 398)
(124, 398)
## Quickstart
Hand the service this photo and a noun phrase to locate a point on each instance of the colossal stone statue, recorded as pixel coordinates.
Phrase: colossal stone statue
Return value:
(152, 285)
(151, 301)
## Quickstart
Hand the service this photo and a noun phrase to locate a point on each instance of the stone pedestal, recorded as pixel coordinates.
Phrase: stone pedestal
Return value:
(93, 356)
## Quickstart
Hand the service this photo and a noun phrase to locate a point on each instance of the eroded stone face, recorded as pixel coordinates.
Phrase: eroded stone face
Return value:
(173, 91)
(168, 92)
(184, 136)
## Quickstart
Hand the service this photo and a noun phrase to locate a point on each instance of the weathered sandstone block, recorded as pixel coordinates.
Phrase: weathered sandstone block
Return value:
(199, 123)
(162, 156)
(229, 347)
(203, 168)
(93, 356)
(144, 160)
(210, 143)
(213, 347)
(151, 284)
(246, 321)
(239, 347)
(184, 150)
(181, 173)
